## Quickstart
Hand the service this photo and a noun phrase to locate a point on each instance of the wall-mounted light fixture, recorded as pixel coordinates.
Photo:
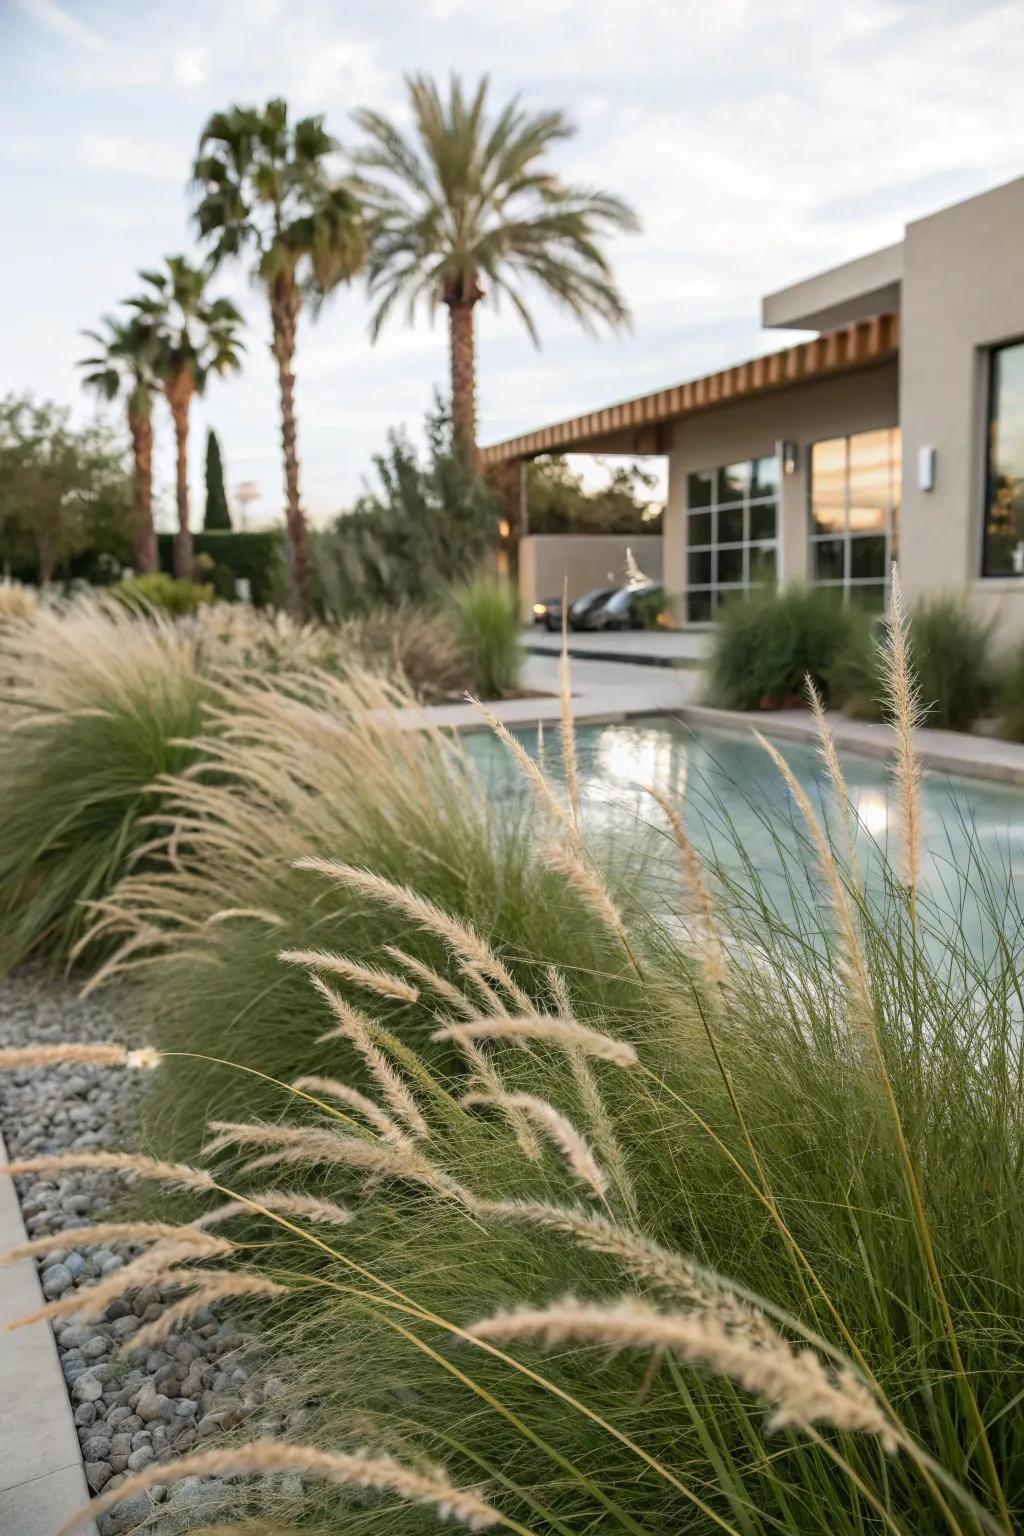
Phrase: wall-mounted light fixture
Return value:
(788, 456)
(926, 469)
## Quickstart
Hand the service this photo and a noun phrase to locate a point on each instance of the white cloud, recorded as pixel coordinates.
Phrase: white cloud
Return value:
(189, 67)
(125, 156)
(61, 23)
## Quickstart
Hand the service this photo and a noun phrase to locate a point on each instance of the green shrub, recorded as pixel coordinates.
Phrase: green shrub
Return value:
(1008, 693)
(825, 1110)
(767, 643)
(951, 650)
(158, 592)
(96, 704)
(256, 557)
(486, 614)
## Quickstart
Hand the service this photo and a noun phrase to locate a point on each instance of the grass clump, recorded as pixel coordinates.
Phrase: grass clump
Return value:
(766, 644)
(95, 705)
(695, 1220)
(486, 613)
(951, 654)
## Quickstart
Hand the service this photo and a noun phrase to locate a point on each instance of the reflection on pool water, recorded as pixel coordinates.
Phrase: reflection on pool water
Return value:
(720, 777)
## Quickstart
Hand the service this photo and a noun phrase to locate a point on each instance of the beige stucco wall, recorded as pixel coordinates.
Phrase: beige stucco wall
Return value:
(856, 402)
(962, 292)
(547, 560)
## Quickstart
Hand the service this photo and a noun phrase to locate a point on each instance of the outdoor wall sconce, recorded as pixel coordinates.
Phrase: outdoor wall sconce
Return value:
(789, 456)
(926, 469)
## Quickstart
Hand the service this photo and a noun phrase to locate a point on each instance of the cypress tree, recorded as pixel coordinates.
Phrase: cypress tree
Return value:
(217, 514)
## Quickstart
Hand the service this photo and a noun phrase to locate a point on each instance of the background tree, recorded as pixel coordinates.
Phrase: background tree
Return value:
(475, 208)
(559, 502)
(124, 367)
(192, 336)
(265, 187)
(427, 522)
(216, 514)
(61, 491)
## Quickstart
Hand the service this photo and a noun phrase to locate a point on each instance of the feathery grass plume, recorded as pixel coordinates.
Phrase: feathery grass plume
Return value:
(256, 914)
(557, 1127)
(322, 1212)
(131, 1165)
(799, 1387)
(356, 1028)
(157, 1265)
(606, 1143)
(143, 1059)
(903, 702)
(833, 767)
(211, 1286)
(370, 977)
(568, 859)
(431, 978)
(330, 1088)
(293, 1143)
(712, 950)
(567, 1033)
(263, 1457)
(542, 792)
(854, 964)
(107, 1232)
(461, 938)
(568, 733)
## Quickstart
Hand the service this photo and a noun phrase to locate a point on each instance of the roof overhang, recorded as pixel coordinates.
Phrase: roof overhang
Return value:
(638, 426)
(870, 285)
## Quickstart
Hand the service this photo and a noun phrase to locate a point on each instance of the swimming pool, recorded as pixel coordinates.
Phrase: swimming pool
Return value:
(731, 794)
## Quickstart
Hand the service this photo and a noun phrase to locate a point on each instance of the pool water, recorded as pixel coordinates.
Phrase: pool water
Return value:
(731, 793)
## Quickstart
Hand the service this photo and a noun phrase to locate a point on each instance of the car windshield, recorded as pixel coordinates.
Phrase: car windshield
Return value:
(589, 598)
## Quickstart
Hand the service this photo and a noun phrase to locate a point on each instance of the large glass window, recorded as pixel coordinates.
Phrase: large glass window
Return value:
(854, 513)
(731, 534)
(1003, 553)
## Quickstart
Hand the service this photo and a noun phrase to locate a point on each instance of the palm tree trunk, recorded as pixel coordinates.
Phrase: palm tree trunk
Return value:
(462, 344)
(140, 425)
(284, 313)
(179, 398)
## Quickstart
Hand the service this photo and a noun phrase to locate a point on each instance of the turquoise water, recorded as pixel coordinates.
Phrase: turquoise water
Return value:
(731, 793)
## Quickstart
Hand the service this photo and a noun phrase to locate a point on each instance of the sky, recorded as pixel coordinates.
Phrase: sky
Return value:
(758, 142)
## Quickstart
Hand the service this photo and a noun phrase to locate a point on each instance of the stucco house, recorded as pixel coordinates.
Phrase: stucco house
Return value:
(897, 431)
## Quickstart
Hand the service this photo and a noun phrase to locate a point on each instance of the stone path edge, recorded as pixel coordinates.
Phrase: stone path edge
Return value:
(42, 1481)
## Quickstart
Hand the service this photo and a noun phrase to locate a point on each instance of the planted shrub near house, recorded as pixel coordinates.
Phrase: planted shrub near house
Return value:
(766, 644)
(486, 614)
(951, 651)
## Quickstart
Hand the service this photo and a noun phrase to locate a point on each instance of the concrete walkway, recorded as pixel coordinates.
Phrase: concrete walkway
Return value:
(641, 647)
(42, 1483)
(953, 752)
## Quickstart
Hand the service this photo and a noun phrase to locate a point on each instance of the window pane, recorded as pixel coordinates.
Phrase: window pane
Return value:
(828, 486)
(871, 596)
(698, 569)
(733, 481)
(762, 520)
(730, 525)
(698, 607)
(867, 557)
(698, 488)
(1004, 513)
(828, 560)
(700, 528)
(762, 567)
(764, 479)
(730, 565)
(870, 481)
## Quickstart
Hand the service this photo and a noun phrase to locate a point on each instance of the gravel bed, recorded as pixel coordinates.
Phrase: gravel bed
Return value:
(130, 1410)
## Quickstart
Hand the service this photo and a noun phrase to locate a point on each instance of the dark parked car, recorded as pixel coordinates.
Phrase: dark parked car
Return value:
(548, 613)
(614, 608)
(584, 611)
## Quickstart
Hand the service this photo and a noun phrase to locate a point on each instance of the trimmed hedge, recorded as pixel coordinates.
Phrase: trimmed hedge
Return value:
(257, 556)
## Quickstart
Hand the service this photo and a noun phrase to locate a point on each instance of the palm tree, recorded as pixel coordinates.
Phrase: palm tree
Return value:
(475, 205)
(124, 365)
(264, 185)
(192, 336)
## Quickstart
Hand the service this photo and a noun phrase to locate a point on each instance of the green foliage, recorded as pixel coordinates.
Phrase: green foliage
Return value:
(101, 704)
(1008, 693)
(428, 522)
(62, 490)
(475, 202)
(767, 643)
(216, 515)
(158, 592)
(257, 557)
(487, 621)
(951, 649)
(649, 609)
(192, 336)
(558, 502)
